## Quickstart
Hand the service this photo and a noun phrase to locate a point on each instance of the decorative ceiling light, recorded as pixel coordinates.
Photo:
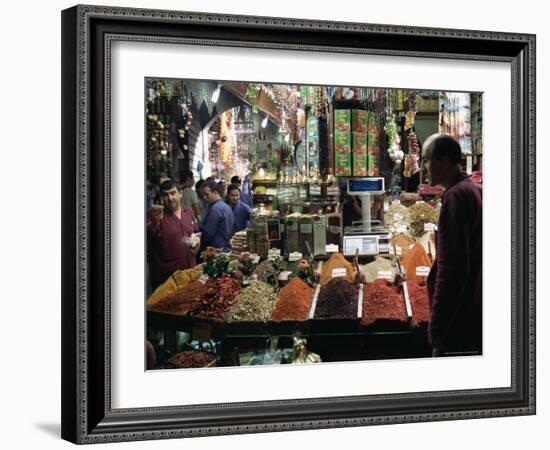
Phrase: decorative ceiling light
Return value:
(264, 122)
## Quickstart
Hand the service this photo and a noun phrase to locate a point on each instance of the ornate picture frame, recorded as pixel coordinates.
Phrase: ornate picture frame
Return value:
(87, 35)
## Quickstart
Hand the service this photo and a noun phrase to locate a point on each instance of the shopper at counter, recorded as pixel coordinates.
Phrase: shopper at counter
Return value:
(169, 231)
(241, 211)
(217, 228)
(202, 202)
(246, 197)
(189, 197)
(454, 282)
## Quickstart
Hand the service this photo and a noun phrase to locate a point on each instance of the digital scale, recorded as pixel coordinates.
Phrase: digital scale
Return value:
(366, 236)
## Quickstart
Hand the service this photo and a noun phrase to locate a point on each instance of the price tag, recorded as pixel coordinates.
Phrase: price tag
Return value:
(385, 275)
(274, 252)
(422, 271)
(397, 250)
(295, 256)
(283, 276)
(419, 202)
(396, 202)
(331, 248)
(203, 278)
(430, 227)
(339, 272)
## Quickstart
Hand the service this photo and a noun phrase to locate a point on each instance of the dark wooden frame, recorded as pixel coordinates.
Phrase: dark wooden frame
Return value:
(87, 32)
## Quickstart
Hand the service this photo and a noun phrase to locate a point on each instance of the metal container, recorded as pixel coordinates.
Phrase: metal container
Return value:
(319, 234)
(293, 232)
(306, 234)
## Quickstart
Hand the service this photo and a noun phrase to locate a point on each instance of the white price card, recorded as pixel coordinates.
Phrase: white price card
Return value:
(331, 248)
(295, 256)
(339, 272)
(203, 278)
(422, 271)
(385, 275)
(430, 227)
(397, 250)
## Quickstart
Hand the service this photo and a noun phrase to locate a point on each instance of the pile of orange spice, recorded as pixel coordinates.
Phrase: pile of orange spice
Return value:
(336, 261)
(417, 257)
(294, 301)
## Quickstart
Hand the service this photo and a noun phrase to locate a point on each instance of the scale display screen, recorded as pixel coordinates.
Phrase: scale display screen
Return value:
(367, 245)
(357, 186)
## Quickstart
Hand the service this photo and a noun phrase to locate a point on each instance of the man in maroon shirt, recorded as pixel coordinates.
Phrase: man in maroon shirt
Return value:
(454, 282)
(169, 230)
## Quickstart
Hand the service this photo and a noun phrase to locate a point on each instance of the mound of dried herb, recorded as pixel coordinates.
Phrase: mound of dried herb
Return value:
(254, 303)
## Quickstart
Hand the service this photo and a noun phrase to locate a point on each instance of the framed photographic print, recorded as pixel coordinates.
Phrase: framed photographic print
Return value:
(282, 224)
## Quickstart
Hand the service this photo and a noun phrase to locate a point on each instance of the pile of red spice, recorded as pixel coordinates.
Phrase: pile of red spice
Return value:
(181, 301)
(382, 301)
(191, 359)
(294, 301)
(337, 300)
(420, 304)
(218, 298)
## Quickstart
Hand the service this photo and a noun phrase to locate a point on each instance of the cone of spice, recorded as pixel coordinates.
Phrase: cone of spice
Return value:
(335, 267)
(416, 259)
(178, 280)
(337, 300)
(428, 241)
(420, 304)
(294, 301)
(382, 301)
(380, 268)
(402, 244)
(181, 301)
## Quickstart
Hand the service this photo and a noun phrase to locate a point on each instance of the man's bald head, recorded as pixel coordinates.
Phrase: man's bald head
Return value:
(443, 154)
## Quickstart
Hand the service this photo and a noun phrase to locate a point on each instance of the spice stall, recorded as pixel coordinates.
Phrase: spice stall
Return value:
(335, 257)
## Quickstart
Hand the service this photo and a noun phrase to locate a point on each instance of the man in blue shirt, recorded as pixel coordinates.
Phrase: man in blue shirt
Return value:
(241, 212)
(246, 197)
(217, 227)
